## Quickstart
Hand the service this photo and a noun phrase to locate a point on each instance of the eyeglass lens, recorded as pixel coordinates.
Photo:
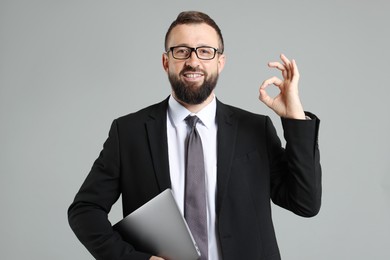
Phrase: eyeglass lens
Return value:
(182, 52)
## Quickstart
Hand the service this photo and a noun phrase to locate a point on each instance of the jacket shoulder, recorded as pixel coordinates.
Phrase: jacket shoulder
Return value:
(239, 113)
(150, 112)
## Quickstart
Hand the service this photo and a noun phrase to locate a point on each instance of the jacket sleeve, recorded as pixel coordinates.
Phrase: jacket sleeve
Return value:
(296, 170)
(88, 214)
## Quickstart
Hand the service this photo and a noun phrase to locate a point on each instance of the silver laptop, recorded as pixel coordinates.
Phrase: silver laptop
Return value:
(159, 228)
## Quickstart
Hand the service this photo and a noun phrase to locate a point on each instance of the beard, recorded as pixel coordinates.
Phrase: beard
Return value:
(190, 93)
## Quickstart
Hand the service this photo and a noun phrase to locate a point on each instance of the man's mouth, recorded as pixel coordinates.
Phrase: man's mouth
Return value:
(193, 74)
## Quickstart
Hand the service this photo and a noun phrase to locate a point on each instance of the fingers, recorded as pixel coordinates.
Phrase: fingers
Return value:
(288, 68)
(287, 102)
(279, 66)
(274, 80)
(264, 97)
(295, 72)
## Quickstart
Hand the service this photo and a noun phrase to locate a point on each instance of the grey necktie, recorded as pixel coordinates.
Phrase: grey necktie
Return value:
(195, 189)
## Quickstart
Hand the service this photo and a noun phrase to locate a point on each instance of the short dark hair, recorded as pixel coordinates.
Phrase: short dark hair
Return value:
(195, 17)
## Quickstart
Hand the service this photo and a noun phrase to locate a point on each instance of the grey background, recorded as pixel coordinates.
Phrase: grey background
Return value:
(68, 68)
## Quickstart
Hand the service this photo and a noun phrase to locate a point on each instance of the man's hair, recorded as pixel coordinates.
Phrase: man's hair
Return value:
(195, 17)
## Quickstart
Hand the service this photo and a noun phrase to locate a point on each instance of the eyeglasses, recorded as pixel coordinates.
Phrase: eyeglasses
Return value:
(202, 52)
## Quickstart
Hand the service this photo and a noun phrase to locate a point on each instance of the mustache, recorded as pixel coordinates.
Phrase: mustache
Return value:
(191, 69)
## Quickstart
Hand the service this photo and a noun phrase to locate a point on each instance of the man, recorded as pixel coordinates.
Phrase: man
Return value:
(244, 164)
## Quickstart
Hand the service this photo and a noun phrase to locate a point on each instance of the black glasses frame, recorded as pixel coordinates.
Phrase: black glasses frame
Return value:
(193, 50)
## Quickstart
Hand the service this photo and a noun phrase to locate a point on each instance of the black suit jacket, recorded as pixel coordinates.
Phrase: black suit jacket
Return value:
(252, 169)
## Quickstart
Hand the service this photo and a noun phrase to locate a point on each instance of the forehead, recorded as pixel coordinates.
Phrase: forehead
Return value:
(193, 35)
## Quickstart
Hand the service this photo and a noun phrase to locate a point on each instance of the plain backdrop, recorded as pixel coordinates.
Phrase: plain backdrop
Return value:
(68, 68)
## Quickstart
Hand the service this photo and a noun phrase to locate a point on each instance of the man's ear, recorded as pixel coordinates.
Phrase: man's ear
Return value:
(221, 62)
(165, 61)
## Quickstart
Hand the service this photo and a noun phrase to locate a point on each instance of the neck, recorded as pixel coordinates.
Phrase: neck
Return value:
(195, 108)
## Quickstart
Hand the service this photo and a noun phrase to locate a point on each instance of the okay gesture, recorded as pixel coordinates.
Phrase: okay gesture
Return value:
(287, 103)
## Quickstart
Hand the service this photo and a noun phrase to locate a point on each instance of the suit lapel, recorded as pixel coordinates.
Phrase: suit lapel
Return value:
(156, 128)
(226, 140)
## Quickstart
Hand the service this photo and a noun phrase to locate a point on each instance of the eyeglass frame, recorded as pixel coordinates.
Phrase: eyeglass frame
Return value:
(193, 49)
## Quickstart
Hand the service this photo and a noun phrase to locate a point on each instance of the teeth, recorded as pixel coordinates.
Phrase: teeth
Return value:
(193, 75)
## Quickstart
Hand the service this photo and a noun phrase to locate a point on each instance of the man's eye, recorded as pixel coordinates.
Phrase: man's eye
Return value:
(205, 51)
(181, 51)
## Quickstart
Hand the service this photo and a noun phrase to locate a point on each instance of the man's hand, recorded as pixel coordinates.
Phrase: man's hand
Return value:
(287, 104)
(156, 258)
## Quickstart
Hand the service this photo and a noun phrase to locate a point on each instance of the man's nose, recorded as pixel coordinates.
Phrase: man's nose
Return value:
(193, 60)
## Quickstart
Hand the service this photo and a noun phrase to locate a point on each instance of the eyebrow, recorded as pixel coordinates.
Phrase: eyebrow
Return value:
(199, 45)
(189, 46)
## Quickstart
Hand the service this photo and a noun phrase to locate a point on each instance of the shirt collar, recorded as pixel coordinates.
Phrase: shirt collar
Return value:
(178, 112)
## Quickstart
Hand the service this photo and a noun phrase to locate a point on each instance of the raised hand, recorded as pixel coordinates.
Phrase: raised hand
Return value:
(287, 103)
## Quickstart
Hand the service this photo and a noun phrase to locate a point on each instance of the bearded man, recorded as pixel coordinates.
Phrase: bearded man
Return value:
(243, 166)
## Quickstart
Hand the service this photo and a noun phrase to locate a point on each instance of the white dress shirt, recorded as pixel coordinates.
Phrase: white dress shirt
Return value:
(177, 131)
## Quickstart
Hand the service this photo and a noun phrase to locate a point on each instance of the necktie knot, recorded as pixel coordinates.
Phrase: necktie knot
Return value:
(192, 121)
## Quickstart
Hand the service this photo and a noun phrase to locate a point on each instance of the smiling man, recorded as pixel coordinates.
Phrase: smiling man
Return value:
(193, 71)
(223, 164)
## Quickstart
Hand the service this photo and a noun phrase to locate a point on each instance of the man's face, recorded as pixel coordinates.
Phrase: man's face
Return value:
(193, 79)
